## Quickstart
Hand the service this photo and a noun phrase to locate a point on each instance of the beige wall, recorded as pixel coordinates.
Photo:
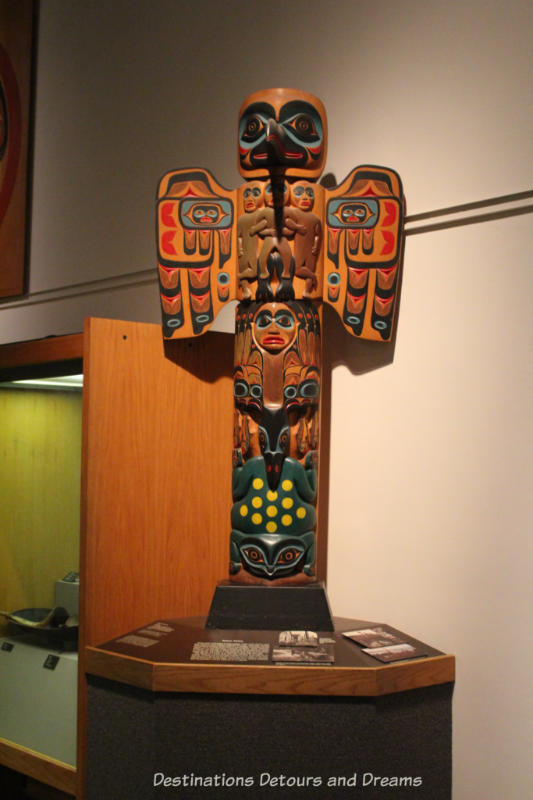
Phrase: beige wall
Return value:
(429, 515)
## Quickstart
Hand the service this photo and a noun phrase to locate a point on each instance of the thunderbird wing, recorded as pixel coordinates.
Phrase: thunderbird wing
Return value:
(364, 229)
(196, 245)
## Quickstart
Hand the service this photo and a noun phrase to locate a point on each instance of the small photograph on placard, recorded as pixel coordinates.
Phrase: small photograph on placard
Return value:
(307, 655)
(136, 641)
(298, 639)
(163, 627)
(151, 632)
(373, 637)
(395, 652)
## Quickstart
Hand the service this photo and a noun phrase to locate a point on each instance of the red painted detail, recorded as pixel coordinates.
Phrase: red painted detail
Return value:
(167, 245)
(369, 193)
(358, 272)
(387, 271)
(167, 269)
(191, 193)
(167, 217)
(199, 271)
(315, 150)
(384, 301)
(390, 241)
(273, 340)
(390, 208)
(200, 297)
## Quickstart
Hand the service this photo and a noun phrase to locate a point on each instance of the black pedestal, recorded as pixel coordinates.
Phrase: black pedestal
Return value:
(273, 608)
(146, 745)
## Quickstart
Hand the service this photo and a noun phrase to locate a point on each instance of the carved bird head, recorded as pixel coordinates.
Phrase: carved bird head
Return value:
(282, 130)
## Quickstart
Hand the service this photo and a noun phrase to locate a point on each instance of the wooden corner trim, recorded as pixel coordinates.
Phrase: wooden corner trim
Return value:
(38, 766)
(271, 679)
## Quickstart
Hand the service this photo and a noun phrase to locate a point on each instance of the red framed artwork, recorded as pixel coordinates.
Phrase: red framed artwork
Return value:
(16, 47)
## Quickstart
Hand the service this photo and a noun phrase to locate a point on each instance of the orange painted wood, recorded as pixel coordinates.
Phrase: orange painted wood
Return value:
(41, 768)
(271, 679)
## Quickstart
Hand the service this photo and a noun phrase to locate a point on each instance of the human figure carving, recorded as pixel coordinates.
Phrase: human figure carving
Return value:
(307, 244)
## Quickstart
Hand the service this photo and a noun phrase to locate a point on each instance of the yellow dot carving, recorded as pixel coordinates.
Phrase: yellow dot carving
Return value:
(301, 512)
(257, 483)
(287, 502)
(243, 510)
(257, 502)
(271, 526)
(272, 495)
(286, 519)
(272, 511)
(257, 519)
(286, 485)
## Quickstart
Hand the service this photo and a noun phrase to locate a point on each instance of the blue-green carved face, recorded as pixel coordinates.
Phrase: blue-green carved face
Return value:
(271, 555)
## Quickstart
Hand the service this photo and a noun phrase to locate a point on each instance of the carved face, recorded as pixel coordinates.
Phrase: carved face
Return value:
(282, 129)
(274, 327)
(273, 194)
(253, 196)
(303, 195)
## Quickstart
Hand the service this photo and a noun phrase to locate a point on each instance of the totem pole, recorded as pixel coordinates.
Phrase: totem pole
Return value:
(281, 244)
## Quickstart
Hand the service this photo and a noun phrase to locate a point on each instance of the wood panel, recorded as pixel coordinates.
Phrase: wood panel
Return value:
(157, 439)
(41, 768)
(280, 680)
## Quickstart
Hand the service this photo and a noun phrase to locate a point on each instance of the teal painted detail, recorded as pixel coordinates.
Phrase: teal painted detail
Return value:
(273, 530)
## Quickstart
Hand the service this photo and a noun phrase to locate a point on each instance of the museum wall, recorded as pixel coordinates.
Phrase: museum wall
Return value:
(430, 517)
(40, 473)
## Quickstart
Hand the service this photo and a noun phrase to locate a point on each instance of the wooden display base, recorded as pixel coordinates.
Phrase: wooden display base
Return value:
(157, 715)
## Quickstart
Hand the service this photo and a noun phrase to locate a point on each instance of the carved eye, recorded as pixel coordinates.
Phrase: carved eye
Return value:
(256, 391)
(303, 125)
(240, 389)
(264, 319)
(290, 392)
(309, 389)
(298, 192)
(254, 555)
(262, 439)
(284, 440)
(256, 192)
(288, 555)
(253, 128)
(284, 320)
